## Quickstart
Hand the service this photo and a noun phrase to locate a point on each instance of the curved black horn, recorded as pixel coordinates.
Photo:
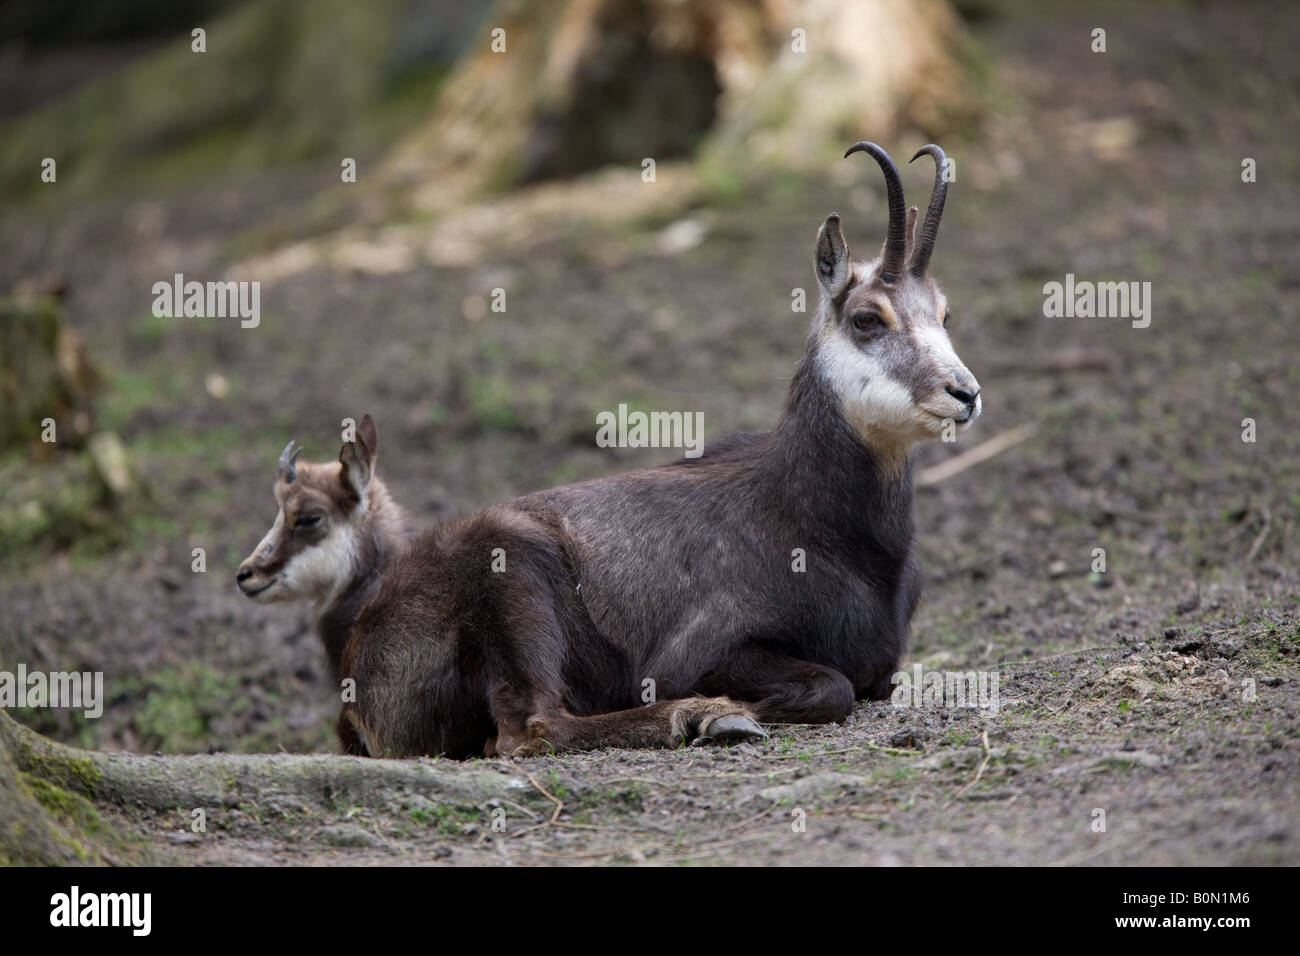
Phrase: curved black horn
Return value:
(895, 239)
(930, 228)
(287, 458)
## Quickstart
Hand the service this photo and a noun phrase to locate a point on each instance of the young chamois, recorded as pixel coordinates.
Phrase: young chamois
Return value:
(771, 579)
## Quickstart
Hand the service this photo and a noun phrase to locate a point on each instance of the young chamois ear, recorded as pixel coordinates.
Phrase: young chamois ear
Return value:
(334, 522)
(358, 458)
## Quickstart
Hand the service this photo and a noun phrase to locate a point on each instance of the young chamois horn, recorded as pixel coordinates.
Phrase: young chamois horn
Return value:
(770, 580)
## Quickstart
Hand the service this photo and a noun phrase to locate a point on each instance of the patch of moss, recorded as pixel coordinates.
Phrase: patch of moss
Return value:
(445, 818)
(55, 507)
(179, 705)
(67, 806)
(77, 774)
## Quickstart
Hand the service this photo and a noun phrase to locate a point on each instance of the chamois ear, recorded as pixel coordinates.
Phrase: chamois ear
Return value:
(358, 457)
(832, 259)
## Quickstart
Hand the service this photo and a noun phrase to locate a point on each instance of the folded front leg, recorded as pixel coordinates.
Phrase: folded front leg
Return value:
(668, 723)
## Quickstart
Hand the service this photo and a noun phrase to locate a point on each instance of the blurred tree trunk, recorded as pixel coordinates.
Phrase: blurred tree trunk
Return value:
(43, 374)
(563, 88)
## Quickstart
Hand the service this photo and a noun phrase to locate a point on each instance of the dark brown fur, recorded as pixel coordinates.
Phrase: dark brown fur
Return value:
(681, 576)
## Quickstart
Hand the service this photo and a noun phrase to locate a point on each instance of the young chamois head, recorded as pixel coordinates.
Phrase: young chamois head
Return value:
(336, 525)
(880, 333)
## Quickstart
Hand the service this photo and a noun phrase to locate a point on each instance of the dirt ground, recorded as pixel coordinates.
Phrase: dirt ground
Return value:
(1164, 692)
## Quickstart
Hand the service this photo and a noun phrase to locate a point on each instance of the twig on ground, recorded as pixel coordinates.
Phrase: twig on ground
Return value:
(1061, 360)
(555, 820)
(894, 751)
(1069, 698)
(694, 853)
(750, 821)
(1263, 533)
(980, 453)
(1052, 657)
(559, 804)
(804, 756)
(858, 813)
(522, 809)
(984, 739)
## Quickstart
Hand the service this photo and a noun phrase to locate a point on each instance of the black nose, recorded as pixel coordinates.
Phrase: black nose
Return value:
(243, 574)
(965, 396)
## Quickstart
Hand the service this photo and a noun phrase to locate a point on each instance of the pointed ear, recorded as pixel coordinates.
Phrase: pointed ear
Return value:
(909, 233)
(358, 457)
(832, 259)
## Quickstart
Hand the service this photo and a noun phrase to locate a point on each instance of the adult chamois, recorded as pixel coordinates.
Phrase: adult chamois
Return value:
(771, 579)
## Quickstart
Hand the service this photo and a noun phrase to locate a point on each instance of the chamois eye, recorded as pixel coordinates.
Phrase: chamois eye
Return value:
(946, 313)
(306, 521)
(865, 321)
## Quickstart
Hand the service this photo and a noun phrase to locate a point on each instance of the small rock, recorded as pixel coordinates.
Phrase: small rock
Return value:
(218, 385)
(960, 759)
(810, 787)
(347, 834)
(113, 466)
(909, 738)
(682, 236)
(1134, 757)
(1116, 760)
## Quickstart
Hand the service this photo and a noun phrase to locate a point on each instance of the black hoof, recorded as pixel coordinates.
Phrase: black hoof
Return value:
(730, 728)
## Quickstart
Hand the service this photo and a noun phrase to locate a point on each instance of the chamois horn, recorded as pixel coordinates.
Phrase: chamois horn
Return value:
(895, 239)
(287, 458)
(930, 227)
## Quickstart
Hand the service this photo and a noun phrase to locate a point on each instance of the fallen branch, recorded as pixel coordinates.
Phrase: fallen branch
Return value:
(301, 782)
(974, 456)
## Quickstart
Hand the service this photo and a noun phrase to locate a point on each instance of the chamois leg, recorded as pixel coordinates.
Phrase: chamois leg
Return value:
(667, 723)
(781, 689)
(349, 739)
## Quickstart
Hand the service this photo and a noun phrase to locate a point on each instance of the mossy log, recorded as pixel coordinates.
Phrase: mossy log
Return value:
(32, 767)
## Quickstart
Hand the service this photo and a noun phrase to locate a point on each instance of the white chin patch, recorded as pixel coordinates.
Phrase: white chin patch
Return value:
(275, 593)
(320, 570)
(875, 404)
